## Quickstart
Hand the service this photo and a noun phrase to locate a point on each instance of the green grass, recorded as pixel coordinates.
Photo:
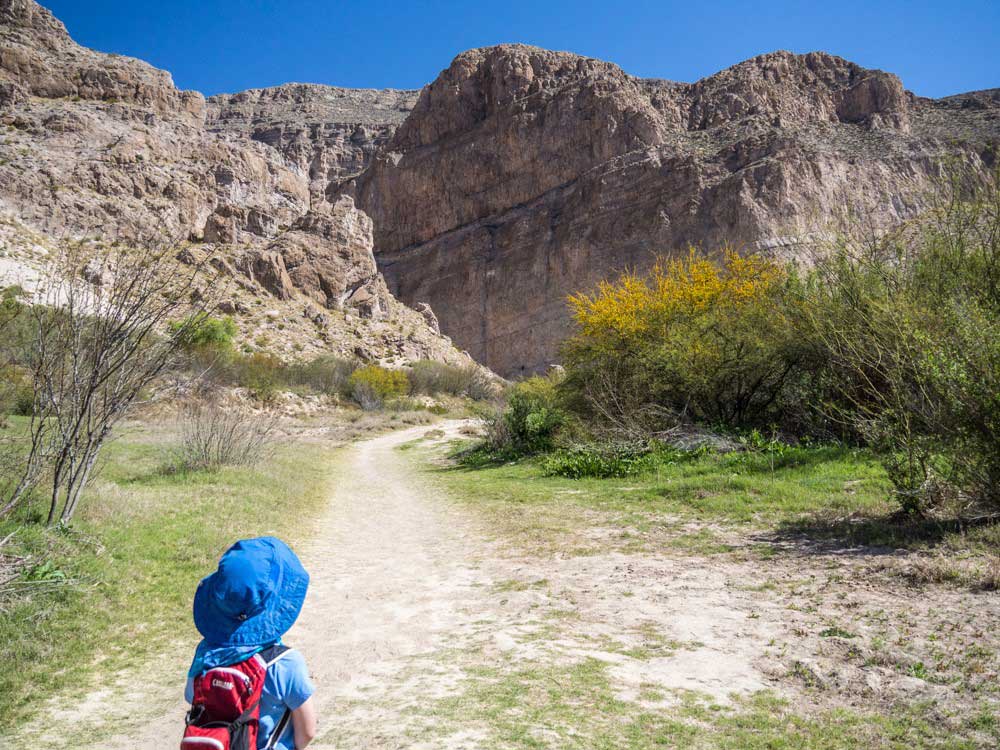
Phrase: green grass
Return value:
(679, 502)
(574, 705)
(116, 587)
(828, 494)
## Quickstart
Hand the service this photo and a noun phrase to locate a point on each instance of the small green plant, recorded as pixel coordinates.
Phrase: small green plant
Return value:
(835, 632)
(580, 463)
(46, 571)
(204, 331)
(372, 385)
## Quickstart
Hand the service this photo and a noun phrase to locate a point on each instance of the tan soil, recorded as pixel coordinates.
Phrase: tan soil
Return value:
(408, 592)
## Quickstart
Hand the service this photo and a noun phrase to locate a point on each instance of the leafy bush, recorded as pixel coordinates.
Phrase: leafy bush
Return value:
(204, 331)
(326, 374)
(908, 324)
(262, 374)
(17, 394)
(432, 378)
(371, 385)
(527, 422)
(694, 340)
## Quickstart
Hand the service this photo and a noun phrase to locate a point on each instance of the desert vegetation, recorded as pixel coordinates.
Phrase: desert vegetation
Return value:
(132, 426)
(885, 341)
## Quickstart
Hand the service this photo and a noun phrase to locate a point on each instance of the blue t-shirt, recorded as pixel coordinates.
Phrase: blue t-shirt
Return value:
(286, 687)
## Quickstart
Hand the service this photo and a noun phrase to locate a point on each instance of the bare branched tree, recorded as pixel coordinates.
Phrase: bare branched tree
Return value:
(101, 337)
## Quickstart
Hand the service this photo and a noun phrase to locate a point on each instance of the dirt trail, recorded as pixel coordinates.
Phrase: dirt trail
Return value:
(406, 589)
(414, 606)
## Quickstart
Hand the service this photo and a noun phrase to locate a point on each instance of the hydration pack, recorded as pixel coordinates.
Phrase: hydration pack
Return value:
(225, 712)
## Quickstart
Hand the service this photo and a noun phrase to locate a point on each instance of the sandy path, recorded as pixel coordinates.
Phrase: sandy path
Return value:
(408, 593)
(412, 601)
(390, 571)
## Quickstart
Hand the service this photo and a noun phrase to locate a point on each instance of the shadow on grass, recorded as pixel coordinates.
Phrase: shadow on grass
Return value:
(869, 535)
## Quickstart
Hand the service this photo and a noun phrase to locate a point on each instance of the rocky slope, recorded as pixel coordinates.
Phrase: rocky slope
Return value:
(102, 146)
(518, 176)
(523, 175)
(329, 133)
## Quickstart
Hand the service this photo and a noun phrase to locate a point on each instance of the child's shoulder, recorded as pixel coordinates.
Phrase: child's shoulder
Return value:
(290, 660)
(288, 679)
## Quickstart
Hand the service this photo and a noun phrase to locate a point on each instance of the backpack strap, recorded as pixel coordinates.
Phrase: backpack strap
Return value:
(267, 657)
(271, 654)
(279, 730)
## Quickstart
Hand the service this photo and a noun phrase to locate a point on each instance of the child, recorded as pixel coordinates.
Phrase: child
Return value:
(242, 610)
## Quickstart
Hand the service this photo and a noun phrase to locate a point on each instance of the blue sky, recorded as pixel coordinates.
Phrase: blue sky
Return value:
(937, 48)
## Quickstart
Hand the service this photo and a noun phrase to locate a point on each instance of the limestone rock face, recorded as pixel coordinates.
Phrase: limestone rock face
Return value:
(329, 257)
(329, 133)
(105, 148)
(524, 175)
(517, 177)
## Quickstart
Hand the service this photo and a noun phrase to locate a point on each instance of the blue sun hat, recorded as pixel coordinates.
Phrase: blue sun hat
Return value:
(254, 597)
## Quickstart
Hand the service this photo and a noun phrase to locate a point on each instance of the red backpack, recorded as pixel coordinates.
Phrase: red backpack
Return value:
(225, 712)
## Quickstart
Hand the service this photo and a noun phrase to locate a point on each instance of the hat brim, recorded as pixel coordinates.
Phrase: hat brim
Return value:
(220, 629)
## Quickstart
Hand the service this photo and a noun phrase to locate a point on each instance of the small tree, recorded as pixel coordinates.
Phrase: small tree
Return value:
(97, 346)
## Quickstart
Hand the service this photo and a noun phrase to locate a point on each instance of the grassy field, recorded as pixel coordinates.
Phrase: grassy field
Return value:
(701, 501)
(116, 587)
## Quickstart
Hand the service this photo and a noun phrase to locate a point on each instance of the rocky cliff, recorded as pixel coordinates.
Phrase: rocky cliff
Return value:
(329, 133)
(523, 175)
(518, 176)
(106, 147)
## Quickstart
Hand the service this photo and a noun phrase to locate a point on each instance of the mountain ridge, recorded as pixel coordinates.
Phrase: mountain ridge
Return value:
(516, 177)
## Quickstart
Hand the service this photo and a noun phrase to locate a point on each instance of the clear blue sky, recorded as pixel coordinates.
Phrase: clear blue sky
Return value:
(937, 48)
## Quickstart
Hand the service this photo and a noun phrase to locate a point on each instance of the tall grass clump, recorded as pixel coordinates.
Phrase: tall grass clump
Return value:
(433, 378)
(213, 436)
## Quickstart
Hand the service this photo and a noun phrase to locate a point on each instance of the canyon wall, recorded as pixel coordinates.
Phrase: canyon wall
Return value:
(523, 175)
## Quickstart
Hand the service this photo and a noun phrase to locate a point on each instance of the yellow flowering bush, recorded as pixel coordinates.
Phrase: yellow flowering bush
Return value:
(695, 338)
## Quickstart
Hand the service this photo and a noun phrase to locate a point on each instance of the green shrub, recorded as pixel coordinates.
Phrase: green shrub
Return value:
(326, 374)
(529, 419)
(17, 395)
(204, 331)
(908, 325)
(432, 378)
(372, 385)
(262, 374)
